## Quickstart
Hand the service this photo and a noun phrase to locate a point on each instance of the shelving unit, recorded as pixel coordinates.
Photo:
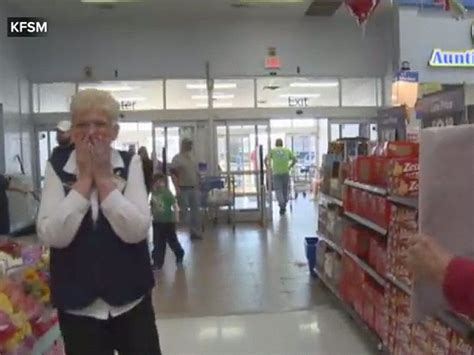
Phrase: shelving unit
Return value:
(373, 338)
(331, 199)
(410, 202)
(459, 324)
(333, 245)
(370, 188)
(366, 223)
(374, 274)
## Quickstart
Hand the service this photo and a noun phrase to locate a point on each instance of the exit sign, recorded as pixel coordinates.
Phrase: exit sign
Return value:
(272, 62)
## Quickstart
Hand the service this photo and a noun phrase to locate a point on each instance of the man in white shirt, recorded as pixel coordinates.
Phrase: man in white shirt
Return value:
(94, 215)
(185, 175)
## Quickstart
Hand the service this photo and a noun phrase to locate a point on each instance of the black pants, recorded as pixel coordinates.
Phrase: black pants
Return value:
(164, 233)
(132, 333)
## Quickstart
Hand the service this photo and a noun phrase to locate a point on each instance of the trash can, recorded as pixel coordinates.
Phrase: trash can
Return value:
(310, 247)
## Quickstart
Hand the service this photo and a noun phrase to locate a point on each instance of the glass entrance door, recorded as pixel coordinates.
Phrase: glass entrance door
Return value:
(168, 137)
(238, 154)
(46, 142)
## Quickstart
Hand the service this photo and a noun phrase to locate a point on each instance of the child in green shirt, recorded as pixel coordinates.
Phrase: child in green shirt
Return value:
(165, 216)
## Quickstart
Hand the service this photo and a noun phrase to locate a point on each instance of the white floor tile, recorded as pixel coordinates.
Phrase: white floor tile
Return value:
(321, 331)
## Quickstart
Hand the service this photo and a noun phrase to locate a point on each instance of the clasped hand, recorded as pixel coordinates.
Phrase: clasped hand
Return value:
(93, 163)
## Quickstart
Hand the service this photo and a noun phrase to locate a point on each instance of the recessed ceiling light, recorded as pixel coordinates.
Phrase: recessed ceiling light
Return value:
(302, 84)
(297, 96)
(109, 88)
(216, 86)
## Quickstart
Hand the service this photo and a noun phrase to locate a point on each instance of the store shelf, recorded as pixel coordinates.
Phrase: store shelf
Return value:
(332, 244)
(365, 222)
(411, 202)
(375, 275)
(373, 338)
(46, 341)
(331, 199)
(402, 286)
(459, 324)
(370, 188)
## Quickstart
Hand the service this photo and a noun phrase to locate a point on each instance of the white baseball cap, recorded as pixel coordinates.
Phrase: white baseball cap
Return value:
(64, 126)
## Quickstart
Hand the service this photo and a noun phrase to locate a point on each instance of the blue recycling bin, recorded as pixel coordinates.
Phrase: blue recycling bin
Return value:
(310, 248)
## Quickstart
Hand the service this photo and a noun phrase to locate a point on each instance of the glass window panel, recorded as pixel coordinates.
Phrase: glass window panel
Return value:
(222, 148)
(132, 95)
(374, 136)
(186, 94)
(133, 135)
(304, 122)
(297, 92)
(379, 92)
(335, 133)
(280, 123)
(43, 153)
(350, 130)
(233, 93)
(323, 141)
(359, 92)
(53, 97)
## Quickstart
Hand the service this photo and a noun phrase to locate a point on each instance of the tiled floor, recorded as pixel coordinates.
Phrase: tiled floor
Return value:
(250, 293)
(321, 331)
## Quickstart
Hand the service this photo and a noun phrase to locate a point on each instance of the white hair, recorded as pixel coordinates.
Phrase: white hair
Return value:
(93, 99)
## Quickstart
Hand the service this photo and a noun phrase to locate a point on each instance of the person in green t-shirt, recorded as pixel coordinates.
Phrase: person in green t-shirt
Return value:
(165, 213)
(281, 160)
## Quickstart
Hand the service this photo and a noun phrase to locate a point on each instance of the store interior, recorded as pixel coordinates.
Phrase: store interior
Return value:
(355, 102)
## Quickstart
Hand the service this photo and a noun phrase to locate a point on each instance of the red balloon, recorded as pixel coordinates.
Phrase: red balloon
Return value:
(361, 9)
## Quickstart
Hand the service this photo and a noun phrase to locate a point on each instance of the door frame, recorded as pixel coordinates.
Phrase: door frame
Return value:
(244, 122)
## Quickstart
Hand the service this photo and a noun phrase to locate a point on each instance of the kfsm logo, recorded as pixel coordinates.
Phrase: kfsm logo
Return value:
(27, 27)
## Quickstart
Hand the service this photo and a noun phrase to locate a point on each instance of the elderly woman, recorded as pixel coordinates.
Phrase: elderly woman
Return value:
(95, 217)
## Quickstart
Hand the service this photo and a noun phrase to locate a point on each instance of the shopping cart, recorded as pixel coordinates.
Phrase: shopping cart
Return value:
(301, 180)
(218, 192)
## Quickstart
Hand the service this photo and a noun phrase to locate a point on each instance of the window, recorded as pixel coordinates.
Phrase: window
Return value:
(350, 130)
(297, 92)
(52, 97)
(335, 132)
(360, 92)
(233, 93)
(132, 95)
(186, 94)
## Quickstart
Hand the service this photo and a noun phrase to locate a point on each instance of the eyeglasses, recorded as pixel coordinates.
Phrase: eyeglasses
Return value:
(92, 125)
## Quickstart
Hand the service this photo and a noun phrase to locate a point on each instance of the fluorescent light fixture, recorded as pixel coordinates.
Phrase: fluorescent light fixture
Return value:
(109, 88)
(199, 97)
(216, 86)
(302, 84)
(300, 96)
(216, 96)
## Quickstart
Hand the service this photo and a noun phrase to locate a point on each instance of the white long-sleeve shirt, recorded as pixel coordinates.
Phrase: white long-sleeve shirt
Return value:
(61, 215)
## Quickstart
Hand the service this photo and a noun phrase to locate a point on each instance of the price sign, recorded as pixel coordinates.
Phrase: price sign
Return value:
(391, 124)
(442, 109)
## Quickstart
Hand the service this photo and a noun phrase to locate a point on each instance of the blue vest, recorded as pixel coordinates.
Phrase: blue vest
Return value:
(97, 264)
